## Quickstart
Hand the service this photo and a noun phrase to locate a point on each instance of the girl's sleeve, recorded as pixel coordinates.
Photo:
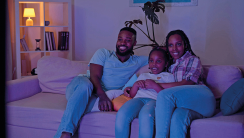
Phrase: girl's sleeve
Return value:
(193, 70)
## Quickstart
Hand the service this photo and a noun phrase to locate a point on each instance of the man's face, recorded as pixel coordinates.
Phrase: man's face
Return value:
(126, 41)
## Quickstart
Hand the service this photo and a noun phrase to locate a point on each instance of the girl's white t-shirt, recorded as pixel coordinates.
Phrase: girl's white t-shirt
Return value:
(163, 77)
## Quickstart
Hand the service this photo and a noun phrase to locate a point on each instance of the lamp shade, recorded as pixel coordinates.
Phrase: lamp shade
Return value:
(29, 12)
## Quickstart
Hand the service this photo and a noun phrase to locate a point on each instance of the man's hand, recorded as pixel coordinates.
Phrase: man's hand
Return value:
(127, 91)
(104, 103)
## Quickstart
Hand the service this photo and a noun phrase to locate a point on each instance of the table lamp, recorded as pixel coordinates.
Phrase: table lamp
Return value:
(29, 12)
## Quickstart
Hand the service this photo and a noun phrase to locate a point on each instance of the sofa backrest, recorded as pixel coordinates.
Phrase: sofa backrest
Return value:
(217, 77)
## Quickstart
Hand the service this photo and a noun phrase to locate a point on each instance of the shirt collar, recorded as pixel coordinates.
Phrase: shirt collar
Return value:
(186, 55)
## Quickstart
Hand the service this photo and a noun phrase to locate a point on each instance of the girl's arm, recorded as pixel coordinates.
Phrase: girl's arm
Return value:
(136, 86)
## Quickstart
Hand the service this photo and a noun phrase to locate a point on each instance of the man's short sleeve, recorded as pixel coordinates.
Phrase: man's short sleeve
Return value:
(143, 60)
(99, 57)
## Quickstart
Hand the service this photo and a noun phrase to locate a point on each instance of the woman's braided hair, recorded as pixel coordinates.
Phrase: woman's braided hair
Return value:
(185, 40)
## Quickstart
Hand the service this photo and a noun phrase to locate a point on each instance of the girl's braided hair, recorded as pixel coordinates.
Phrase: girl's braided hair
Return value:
(165, 55)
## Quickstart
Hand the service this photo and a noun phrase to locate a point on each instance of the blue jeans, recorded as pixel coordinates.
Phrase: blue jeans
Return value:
(144, 109)
(78, 93)
(176, 107)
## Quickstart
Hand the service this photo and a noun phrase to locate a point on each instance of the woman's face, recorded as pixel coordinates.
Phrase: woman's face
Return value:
(176, 46)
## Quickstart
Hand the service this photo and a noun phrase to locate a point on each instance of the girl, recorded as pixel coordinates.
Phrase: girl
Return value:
(187, 98)
(144, 91)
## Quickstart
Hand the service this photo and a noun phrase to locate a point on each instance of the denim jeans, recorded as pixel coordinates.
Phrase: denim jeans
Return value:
(176, 107)
(144, 109)
(78, 93)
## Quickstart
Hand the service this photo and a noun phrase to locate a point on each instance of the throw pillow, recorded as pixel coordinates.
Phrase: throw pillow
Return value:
(221, 77)
(233, 98)
(55, 73)
(130, 82)
(119, 101)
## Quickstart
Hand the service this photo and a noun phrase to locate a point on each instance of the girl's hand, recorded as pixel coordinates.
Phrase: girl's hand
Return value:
(127, 91)
(151, 84)
(140, 84)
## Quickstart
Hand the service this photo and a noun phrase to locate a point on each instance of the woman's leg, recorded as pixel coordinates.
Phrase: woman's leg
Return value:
(78, 93)
(147, 119)
(126, 114)
(181, 120)
(195, 97)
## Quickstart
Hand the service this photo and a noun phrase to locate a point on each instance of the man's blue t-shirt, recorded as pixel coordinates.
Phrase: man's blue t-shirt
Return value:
(115, 73)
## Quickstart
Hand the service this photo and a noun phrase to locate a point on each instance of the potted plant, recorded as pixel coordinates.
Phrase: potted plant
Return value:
(150, 9)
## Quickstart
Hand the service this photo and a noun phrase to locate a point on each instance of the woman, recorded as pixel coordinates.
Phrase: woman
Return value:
(185, 99)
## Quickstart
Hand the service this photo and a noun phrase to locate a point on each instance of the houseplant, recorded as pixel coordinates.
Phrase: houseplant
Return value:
(150, 9)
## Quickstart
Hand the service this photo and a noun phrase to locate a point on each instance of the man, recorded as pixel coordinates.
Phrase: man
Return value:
(109, 70)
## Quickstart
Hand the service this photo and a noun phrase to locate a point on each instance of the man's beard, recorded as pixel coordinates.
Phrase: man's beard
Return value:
(127, 52)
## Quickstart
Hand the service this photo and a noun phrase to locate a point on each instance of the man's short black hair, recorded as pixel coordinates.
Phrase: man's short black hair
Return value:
(128, 29)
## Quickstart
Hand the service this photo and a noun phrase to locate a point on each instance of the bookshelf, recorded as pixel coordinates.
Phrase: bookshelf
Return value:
(58, 14)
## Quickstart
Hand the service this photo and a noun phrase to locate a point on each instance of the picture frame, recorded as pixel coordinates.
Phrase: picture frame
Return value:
(167, 3)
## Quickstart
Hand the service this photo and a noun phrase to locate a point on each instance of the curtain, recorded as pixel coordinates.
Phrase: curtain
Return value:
(10, 44)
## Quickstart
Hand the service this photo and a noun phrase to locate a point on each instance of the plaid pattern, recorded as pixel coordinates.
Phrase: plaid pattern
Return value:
(188, 67)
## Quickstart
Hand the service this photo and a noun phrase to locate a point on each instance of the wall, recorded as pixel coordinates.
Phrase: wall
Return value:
(214, 27)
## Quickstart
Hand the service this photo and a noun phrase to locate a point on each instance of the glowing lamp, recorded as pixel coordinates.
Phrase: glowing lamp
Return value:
(29, 12)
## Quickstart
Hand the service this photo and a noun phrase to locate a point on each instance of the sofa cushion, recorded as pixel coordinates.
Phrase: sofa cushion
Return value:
(43, 110)
(233, 98)
(218, 126)
(55, 73)
(220, 77)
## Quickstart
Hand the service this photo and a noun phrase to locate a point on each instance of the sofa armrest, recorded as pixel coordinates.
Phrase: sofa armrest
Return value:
(22, 88)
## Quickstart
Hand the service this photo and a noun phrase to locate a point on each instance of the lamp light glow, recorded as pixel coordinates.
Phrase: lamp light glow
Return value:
(29, 12)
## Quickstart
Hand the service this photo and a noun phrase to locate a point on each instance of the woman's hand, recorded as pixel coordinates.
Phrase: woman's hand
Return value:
(104, 103)
(151, 84)
(127, 91)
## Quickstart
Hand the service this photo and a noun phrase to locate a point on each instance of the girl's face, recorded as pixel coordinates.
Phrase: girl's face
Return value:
(176, 46)
(157, 62)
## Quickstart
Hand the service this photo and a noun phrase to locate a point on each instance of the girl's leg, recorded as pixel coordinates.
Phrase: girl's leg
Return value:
(181, 120)
(195, 97)
(147, 119)
(128, 112)
(78, 93)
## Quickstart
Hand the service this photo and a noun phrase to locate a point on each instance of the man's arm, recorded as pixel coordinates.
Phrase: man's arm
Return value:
(96, 72)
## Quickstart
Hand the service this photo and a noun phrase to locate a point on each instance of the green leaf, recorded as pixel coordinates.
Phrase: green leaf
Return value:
(150, 14)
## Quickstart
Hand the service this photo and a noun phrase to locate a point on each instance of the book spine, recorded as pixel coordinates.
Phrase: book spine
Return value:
(59, 40)
(47, 42)
(53, 41)
(50, 41)
(22, 43)
(63, 38)
(67, 41)
(25, 44)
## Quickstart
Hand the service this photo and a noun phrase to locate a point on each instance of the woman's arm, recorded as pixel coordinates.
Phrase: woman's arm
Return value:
(96, 75)
(172, 84)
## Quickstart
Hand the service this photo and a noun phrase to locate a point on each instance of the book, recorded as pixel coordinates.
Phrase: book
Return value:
(67, 41)
(53, 41)
(61, 40)
(50, 41)
(64, 40)
(47, 41)
(24, 44)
